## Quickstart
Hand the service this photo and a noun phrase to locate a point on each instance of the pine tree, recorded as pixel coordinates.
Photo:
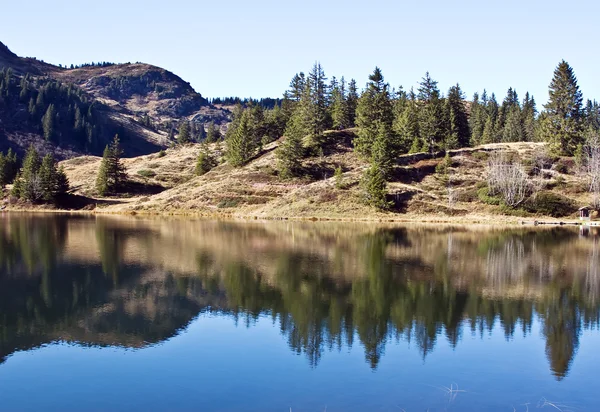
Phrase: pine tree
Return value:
(564, 111)
(458, 118)
(406, 127)
(477, 120)
(103, 176)
(241, 144)
(31, 188)
(3, 171)
(205, 161)
(431, 114)
(184, 135)
(339, 107)
(213, 134)
(352, 103)
(291, 151)
(111, 174)
(316, 119)
(528, 115)
(374, 107)
(48, 122)
(513, 127)
(374, 188)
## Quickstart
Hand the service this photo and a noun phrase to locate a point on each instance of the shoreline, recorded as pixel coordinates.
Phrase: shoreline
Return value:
(489, 220)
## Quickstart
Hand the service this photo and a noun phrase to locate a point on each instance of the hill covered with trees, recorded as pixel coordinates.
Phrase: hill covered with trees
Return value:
(330, 149)
(78, 109)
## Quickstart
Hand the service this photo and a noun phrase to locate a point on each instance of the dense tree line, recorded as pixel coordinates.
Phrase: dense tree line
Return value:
(39, 180)
(61, 112)
(391, 122)
(9, 166)
(265, 102)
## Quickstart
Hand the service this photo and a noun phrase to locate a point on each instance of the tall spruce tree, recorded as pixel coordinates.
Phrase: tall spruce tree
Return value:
(431, 115)
(406, 126)
(458, 119)
(240, 140)
(184, 135)
(111, 174)
(48, 122)
(374, 107)
(564, 127)
(291, 151)
(352, 103)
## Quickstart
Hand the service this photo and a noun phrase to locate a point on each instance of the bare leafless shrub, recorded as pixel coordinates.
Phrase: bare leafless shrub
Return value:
(508, 179)
(592, 165)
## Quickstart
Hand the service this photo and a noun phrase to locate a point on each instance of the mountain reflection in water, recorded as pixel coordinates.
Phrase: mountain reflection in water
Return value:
(115, 281)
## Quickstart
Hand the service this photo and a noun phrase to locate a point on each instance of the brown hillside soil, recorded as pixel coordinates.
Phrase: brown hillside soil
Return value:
(167, 185)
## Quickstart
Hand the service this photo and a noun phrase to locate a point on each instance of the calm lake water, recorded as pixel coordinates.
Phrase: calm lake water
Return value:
(114, 313)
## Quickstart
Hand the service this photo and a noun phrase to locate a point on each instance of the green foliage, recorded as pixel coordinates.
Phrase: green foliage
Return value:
(291, 151)
(184, 135)
(9, 167)
(338, 175)
(564, 113)
(111, 174)
(374, 188)
(146, 173)
(162, 153)
(213, 134)
(484, 195)
(432, 122)
(39, 180)
(550, 204)
(242, 140)
(442, 167)
(205, 161)
(48, 122)
(374, 114)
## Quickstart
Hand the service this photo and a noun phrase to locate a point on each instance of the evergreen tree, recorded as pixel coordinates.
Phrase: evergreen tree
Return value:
(3, 171)
(241, 144)
(53, 181)
(374, 107)
(111, 174)
(477, 120)
(352, 103)
(316, 119)
(339, 106)
(184, 135)
(291, 151)
(406, 126)
(564, 111)
(513, 127)
(48, 122)
(374, 188)
(213, 134)
(459, 120)
(528, 115)
(205, 161)
(431, 115)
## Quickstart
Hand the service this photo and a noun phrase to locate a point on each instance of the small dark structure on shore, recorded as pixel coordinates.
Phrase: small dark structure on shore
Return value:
(585, 213)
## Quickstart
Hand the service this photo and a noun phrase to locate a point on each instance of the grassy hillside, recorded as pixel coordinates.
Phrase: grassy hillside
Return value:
(420, 188)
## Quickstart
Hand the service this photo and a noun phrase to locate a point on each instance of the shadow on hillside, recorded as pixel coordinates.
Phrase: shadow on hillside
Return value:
(138, 188)
(399, 201)
(71, 201)
(413, 174)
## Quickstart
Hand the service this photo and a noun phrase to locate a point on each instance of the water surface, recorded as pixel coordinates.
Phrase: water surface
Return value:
(138, 314)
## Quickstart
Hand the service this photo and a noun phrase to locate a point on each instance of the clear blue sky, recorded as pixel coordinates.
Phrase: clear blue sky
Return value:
(253, 48)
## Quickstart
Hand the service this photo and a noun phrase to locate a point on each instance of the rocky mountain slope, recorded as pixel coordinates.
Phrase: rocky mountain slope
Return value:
(140, 102)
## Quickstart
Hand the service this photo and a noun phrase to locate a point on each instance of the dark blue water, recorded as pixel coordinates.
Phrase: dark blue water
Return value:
(131, 314)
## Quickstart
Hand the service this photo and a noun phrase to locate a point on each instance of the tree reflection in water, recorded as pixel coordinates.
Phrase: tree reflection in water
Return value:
(129, 282)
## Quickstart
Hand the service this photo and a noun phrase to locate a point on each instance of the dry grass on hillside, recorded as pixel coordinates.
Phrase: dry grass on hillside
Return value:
(417, 190)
